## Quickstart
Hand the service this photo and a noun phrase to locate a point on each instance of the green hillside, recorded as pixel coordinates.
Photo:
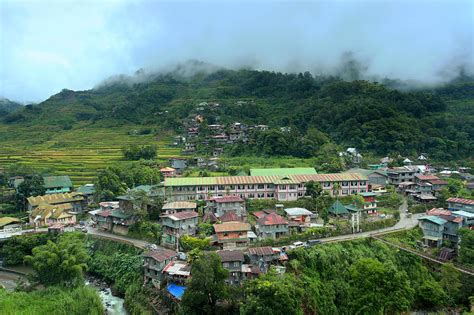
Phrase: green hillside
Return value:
(7, 107)
(80, 131)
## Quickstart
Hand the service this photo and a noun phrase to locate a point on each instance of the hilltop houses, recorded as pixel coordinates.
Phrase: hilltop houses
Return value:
(75, 199)
(221, 205)
(232, 234)
(47, 214)
(175, 225)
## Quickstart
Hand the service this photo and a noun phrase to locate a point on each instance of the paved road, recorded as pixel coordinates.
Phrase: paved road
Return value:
(131, 241)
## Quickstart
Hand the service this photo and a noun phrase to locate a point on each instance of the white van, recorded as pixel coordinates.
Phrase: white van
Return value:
(298, 244)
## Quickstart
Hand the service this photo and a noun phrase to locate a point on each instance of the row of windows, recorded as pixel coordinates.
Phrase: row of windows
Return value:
(260, 186)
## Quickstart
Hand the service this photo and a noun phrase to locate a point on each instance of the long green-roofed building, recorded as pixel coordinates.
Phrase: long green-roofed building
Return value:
(279, 187)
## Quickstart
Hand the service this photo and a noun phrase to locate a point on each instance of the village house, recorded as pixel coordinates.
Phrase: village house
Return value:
(57, 184)
(100, 219)
(232, 234)
(88, 191)
(176, 225)
(271, 226)
(370, 203)
(179, 206)
(300, 215)
(461, 204)
(231, 216)
(264, 254)
(76, 199)
(46, 214)
(432, 227)
(232, 260)
(168, 172)
(375, 177)
(220, 205)
(338, 209)
(285, 188)
(120, 221)
(154, 263)
(176, 271)
(178, 164)
(9, 224)
(402, 174)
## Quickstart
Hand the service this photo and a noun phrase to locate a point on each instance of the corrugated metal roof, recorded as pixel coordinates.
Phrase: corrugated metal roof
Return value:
(272, 219)
(239, 180)
(282, 171)
(181, 215)
(231, 255)
(161, 254)
(178, 205)
(231, 227)
(461, 200)
(261, 251)
(55, 198)
(298, 211)
(434, 219)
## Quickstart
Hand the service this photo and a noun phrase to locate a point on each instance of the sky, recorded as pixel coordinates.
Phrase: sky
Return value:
(46, 46)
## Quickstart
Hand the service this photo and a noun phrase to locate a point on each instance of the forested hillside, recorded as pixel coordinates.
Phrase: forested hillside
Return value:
(7, 106)
(367, 115)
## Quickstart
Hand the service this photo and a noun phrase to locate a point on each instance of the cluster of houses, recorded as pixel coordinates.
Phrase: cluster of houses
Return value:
(163, 268)
(442, 225)
(218, 135)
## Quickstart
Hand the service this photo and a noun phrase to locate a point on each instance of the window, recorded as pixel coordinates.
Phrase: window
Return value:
(270, 186)
(345, 184)
(250, 186)
(362, 183)
(261, 195)
(220, 187)
(261, 186)
(226, 234)
(353, 192)
(362, 190)
(226, 265)
(201, 188)
(241, 187)
(292, 187)
(344, 192)
(326, 184)
(236, 263)
(270, 195)
(300, 194)
(251, 195)
(232, 187)
(282, 196)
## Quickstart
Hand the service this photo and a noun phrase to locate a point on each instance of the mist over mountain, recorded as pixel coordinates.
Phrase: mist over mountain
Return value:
(414, 41)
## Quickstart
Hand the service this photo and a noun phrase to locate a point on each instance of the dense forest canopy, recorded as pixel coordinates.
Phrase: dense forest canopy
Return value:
(368, 115)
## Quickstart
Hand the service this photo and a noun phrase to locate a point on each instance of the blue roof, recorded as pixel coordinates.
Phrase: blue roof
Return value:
(434, 219)
(176, 290)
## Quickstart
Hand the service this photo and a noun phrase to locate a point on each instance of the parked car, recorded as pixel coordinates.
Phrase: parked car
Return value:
(80, 228)
(151, 246)
(298, 244)
(310, 243)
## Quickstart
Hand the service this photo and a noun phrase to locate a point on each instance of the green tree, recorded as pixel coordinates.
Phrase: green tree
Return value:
(379, 288)
(206, 286)
(430, 295)
(451, 282)
(273, 294)
(62, 262)
(466, 251)
(32, 186)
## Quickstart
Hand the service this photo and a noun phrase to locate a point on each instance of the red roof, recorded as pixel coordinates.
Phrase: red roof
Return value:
(227, 199)
(461, 200)
(426, 177)
(104, 213)
(438, 211)
(261, 214)
(261, 251)
(438, 182)
(230, 216)
(161, 254)
(272, 219)
(209, 217)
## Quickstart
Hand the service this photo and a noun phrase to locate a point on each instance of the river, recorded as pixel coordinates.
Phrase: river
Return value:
(113, 305)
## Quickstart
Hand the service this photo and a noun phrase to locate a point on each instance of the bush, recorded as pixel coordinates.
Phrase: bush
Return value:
(189, 243)
(135, 152)
(146, 230)
(53, 300)
(16, 248)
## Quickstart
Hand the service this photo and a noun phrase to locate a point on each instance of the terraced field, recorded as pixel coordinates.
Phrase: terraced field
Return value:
(79, 152)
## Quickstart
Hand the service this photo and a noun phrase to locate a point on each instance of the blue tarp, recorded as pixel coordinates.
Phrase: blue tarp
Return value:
(176, 290)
